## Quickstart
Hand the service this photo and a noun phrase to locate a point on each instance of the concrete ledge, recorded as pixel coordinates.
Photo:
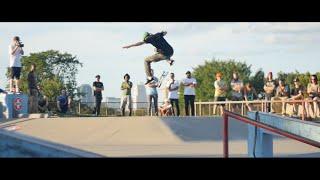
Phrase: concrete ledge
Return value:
(17, 145)
(306, 129)
(38, 115)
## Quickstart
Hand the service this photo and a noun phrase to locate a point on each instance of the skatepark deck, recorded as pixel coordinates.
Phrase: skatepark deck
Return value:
(152, 136)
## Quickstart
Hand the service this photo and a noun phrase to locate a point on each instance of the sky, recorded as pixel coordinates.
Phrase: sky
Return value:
(271, 46)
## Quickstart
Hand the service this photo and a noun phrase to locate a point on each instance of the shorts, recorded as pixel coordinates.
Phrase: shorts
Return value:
(217, 99)
(15, 73)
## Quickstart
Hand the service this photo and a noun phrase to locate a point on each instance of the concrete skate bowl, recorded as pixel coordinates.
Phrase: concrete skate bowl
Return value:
(148, 136)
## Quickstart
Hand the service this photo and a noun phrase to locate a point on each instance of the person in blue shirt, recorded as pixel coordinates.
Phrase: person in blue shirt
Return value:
(63, 102)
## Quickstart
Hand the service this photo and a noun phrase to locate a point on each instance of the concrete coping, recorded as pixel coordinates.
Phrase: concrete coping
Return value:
(286, 118)
(51, 145)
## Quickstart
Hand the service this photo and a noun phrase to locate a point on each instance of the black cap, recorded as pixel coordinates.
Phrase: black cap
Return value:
(97, 76)
(188, 72)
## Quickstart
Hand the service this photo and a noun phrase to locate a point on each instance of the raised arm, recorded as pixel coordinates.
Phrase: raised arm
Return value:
(135, 44)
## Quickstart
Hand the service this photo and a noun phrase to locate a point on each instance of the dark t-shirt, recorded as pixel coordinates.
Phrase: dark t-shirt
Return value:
(32, 80)
(63, 101)
(97, 85)
(41, 100)
(160, 43)
(295, 91)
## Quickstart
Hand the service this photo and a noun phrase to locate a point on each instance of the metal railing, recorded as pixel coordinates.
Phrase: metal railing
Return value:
(260, 105)
(201, 108)
(106, 108)
(227, 114)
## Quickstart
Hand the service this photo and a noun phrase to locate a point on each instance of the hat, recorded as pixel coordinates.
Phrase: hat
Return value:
(188, 72)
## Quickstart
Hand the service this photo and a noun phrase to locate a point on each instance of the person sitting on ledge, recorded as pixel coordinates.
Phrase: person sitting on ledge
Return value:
(63, 102)
(282, 93)
(297, 93)
(313, 92)
(166, 108)
(43, 103)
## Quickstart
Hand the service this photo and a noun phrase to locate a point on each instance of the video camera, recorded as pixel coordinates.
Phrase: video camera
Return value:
(20, 44)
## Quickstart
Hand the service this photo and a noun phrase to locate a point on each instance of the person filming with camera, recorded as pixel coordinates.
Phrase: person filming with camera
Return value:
(15, 53)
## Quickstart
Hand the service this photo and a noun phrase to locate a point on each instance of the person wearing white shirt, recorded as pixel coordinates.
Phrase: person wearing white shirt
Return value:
(15, 53)
(173, 87)
(152, 94)
(189, 84)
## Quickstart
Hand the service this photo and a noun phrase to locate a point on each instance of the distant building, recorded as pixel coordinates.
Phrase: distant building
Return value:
(139, 96)
(88, 97)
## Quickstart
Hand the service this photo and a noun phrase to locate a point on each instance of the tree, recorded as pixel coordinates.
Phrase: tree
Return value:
(55, 71)
(257, 81)
(205, 75)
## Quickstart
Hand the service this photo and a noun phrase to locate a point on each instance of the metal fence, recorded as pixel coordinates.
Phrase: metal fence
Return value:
(201, 108)
(106, 108)
(302, 107)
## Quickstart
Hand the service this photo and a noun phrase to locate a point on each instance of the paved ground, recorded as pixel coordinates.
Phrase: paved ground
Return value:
(152, 136)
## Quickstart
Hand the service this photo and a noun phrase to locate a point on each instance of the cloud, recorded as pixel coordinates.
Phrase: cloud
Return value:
(98, 45)
(287, 28)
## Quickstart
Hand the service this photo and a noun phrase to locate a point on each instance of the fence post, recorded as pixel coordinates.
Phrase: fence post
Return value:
(303, 110)
(200, 110)
(242, 109)
(225, 136)
(79, 107)
(106, 108)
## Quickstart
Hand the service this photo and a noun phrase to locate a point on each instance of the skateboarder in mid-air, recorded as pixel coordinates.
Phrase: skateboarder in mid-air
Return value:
(163, 51)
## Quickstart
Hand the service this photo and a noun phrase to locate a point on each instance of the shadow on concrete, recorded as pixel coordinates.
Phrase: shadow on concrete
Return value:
(205, 128)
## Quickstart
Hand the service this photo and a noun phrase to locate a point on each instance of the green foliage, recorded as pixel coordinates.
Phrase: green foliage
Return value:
(303, 77)
(54, 70)
(257, 80)
(205, 75)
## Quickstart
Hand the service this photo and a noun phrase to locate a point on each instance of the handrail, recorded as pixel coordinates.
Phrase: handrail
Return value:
(227, 114)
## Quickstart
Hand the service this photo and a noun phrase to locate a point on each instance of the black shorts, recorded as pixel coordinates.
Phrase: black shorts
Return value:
(217, 99)
(15, 72)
